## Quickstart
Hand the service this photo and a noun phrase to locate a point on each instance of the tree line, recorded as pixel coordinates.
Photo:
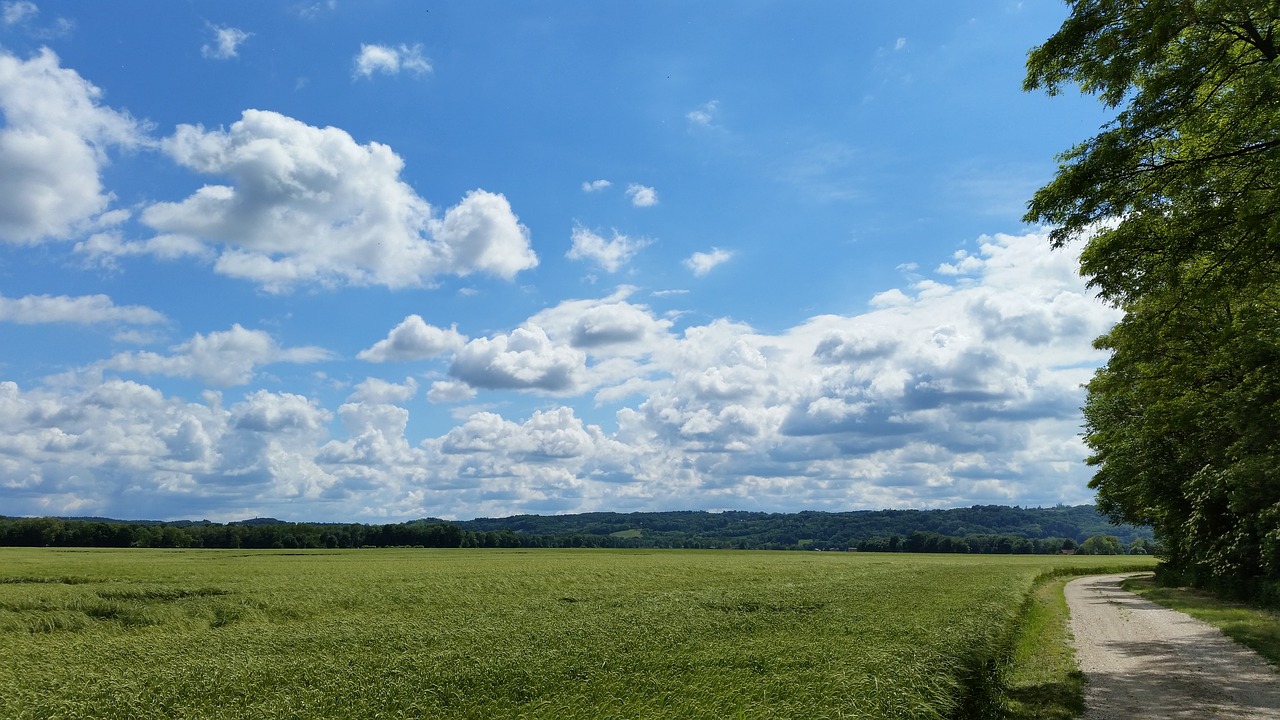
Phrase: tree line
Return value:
(1176, 209)
(980, 529)
(927, 542)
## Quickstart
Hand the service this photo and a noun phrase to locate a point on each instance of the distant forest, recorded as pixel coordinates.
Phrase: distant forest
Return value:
(977, 529)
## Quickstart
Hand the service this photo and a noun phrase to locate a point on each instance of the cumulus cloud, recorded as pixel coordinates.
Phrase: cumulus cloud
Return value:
(82, 309)
(526, 359)
(414, 339)
(53, 148)
(391, 60)
(964, 389)
(595, 185)
(450, 391)
(268, 412)
(310, 204)
(226, 42)
(702, 263)
(376, 390)
(956, 366)
(225, 358)
(610, 255)
(595, 325)
(105, 248)
(642, 195)
(552, 434)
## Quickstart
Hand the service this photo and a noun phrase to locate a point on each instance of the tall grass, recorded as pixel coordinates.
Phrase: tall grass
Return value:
(506, 634)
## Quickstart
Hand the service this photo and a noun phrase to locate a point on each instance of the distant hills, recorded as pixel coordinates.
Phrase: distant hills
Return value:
(822, 529)
(977, 529)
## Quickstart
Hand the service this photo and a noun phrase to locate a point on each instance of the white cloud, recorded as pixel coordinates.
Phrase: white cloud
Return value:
(229, 357)
(642, 195)
(105, 248)
(552, 434)
(310, 204)
(596, 325)
(964, 389)
(705, 115)
(391, 60)
(82, 309)
(53, 148)
(900, 43)
(414, 339)
(965, 264)
(595, 185)
(610, 255)
(17, 12)
(450, 391)
(702, 263)
(526, 359)
(375, 390)
(226, 42)
(375, 441)
(268, 412)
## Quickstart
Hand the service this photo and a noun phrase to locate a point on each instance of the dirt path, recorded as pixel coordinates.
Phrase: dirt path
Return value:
(1146, 661)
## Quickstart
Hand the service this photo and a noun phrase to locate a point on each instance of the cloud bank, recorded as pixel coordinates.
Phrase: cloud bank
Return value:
(960, 386)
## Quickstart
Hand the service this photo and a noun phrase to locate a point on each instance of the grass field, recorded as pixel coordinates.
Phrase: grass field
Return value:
(509, 634)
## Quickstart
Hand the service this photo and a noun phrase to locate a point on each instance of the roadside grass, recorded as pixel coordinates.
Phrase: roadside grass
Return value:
(1044, 682)
(572, 634)
(1248, 625)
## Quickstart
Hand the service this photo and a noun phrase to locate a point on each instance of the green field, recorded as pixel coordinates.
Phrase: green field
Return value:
(508, 633)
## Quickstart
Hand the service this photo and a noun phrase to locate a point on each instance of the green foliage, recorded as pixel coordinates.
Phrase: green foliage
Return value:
(1101, 545)
(1182, 174)
(982, 528)
(259, 533)
(508, 633)
(979, 529)
(1177, 201)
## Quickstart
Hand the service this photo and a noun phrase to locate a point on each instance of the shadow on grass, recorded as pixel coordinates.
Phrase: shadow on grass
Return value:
(1047, 701)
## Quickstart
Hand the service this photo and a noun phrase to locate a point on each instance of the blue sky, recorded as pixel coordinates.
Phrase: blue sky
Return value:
(374, 261)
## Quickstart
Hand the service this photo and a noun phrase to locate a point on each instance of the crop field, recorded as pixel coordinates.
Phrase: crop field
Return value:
(508, 633)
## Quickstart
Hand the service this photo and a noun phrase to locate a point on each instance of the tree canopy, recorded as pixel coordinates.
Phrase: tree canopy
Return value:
(1176, 202)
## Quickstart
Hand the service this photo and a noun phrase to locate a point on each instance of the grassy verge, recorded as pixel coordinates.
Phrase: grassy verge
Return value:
(1043, 681)
(1248, 625)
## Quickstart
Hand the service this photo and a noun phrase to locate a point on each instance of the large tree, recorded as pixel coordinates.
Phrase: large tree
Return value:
(1177, 203)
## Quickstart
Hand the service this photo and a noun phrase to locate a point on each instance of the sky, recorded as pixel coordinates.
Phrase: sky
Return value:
(376, 261)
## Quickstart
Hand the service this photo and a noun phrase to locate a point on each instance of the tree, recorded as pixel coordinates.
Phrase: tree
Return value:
(1101, 545)
(1178, 204)
(1184, 171)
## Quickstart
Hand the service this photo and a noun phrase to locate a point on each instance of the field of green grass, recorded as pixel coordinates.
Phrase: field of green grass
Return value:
(509, 634)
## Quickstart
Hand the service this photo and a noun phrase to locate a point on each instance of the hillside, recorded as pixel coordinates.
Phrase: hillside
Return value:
(822, 529)
(977, 529)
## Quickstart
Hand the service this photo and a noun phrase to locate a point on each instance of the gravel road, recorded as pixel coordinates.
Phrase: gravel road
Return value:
(1146, 661)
